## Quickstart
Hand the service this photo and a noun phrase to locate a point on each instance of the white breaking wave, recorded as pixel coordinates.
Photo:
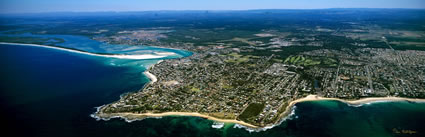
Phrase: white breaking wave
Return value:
(370, 103)
(121, 117)
(218, 125)
(144, 56)
(354, 105)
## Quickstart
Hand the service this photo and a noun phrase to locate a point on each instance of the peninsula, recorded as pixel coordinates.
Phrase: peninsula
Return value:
(259, 91)
(252, 73)
(313, 72)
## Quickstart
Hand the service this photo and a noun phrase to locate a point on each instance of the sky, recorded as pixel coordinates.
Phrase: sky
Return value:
(36, 6)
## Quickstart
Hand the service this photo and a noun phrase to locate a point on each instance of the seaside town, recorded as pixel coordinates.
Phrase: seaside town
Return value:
(225, 81)
(212, 68)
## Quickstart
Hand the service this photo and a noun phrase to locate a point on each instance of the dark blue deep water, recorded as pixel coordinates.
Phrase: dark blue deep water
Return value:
(47, 92)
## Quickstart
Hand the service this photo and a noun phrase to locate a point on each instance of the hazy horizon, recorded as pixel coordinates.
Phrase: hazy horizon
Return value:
(47, 6)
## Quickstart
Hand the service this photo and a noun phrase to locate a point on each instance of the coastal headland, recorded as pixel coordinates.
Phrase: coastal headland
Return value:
(258, 92)
(139, 116)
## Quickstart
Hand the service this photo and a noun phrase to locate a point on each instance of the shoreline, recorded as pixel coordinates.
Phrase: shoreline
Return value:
(359, 101)
(352, 103)
(289, 110)
(150, 76)
(248, 126)
(141, 116)
(144, 56)
(158, 115)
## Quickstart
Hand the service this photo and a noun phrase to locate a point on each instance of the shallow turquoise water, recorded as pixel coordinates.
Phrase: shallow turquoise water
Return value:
(47, 92)
(93, 46)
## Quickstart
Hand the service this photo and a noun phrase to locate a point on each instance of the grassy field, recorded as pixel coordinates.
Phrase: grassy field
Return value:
(301, 60)
(307, 61)
(237, 58)
(251, 112)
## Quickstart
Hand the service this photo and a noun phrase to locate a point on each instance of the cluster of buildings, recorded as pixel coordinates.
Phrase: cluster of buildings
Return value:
(134, 37)
(371, 72)
(209, 83)
(222, 82)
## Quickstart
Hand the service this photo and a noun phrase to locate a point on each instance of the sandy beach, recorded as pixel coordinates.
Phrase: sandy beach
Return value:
(194, 114)
(351, 102)
(144, 56)
(150, 76)
(357, 102)
(287, 111)
(165, 53)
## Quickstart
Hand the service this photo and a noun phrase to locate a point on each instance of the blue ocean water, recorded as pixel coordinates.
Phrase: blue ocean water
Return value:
(43, 88)
(47, 92)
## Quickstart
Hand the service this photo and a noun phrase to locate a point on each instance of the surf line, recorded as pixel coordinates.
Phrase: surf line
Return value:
(119, 56)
